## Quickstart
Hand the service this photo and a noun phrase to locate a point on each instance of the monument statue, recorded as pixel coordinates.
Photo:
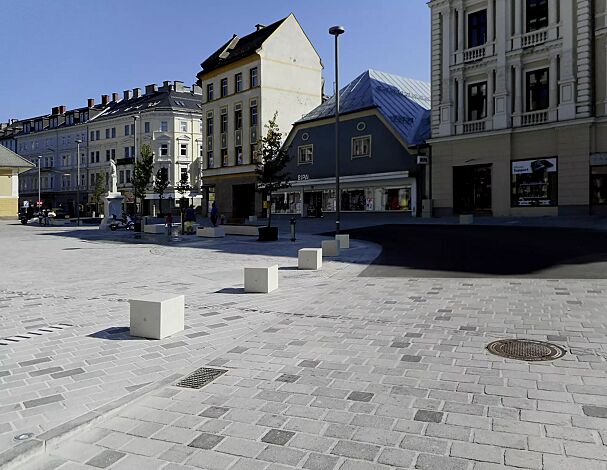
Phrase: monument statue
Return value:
(113, 177)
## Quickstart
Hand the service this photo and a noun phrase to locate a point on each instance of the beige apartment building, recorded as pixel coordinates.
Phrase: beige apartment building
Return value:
(247, 80)
(519, 107)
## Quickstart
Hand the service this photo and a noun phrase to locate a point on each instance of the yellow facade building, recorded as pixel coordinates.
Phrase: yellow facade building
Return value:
(11, 165)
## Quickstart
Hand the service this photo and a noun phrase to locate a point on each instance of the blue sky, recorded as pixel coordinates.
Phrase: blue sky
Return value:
(61, 52)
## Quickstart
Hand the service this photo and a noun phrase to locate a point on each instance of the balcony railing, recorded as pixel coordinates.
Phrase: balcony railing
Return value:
(475, 53)
(534, 38)
(534, 117)
(472, 127)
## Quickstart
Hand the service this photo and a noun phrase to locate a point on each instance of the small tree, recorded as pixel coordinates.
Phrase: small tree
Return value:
(143, 174)
(182, 188)
(161, 183)
(271, 162)
(98, 191)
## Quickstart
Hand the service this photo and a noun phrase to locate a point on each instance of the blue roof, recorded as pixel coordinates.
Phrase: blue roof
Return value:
(405, 103)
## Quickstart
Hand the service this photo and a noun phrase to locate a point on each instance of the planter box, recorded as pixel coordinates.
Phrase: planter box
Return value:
(344, 241)
(309, 258)
(268, 234)
(211, 232)
(330, 248)
(261, 280)
(157, 316)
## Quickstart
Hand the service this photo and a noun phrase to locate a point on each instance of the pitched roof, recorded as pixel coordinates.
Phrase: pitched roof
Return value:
(9, 159)
(242, 48)
(405, 103)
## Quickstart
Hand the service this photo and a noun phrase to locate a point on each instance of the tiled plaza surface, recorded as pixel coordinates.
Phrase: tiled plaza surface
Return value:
(330, 371)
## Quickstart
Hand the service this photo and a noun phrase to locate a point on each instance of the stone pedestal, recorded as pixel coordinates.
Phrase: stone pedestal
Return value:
(330, 247)
(211, 232)
(261, 280)
(112, 205)
(309, 258)
(344, 241)
(157, 316)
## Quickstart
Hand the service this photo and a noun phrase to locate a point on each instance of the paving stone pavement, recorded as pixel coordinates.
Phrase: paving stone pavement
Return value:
(331, 371)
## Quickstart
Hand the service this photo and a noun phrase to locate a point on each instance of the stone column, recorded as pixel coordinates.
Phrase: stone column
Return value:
(518, 23)
(461, 18)
(490, 22)
(552, 19)
(553, 87)
(490, 94)
(518, 94)
(461, 100)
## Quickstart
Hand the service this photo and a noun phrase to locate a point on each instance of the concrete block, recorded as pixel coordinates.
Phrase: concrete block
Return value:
(247, 230)
(330, 248)
(261, 280)
(344, 240)
(155, 228)
(252, 218)
(466, 219)
(211, 232)
(309, 258)
(157, 316)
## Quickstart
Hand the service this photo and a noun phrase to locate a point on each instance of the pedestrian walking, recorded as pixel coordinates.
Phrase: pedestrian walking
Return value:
(169, 223)
(46, 219)
(214, 214)
(190, 218)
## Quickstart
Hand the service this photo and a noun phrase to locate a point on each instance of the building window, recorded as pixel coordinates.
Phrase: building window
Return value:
(238, 118)
(164, 150)
(238, 82)
(146, 127)
(210, 162)
(598, 185)
(92, 136)
(224, 157)
(477, 28)
(183, 174)
(253, 113)
(164, 126)
(361, 146)
(107, 155)
(477, 101)
(210, 124)
(121, 177)
(537, 15)
(107, 133)
(128, 176)
(534, 183)
(224, 87)
(201, 150)
(223, 123)
(253, 150)
(127, 130)
(92, 157)
(238, 153)
(183, 126)
(253, 79)
(113, 132)
(127, 152)
(210, 94)
(305, 154)
(538, 95)
(183, 150)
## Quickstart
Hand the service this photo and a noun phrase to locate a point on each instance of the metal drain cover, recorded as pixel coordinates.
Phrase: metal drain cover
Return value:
(526, 350)
(200, 377)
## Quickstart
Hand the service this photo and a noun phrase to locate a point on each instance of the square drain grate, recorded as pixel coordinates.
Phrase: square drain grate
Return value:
(200, 377)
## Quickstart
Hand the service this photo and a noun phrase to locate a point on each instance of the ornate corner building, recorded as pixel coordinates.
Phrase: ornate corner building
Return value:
(519, 107)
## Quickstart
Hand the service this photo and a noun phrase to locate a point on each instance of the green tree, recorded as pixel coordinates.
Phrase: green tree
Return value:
(98, 191)
(161, 183)
(271, 162)
(143, 174)
(182, 188)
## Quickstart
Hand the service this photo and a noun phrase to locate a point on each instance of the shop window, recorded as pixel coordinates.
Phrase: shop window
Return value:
(537, 90)
(477, 28)
(286, 203)
(537, 15)
(477, 101)
(210, 162)
(361, 146)
(534, 183)
(598, 185)
(238, 153)
(305, 154)
(224, 157)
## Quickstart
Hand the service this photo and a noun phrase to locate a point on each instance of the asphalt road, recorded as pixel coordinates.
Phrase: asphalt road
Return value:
(486, 251)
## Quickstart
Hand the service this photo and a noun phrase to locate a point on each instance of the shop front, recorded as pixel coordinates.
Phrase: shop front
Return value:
(598, 183)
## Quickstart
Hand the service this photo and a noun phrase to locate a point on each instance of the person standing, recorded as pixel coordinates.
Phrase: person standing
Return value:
(190, 218)
(214, 214)
(169, 223)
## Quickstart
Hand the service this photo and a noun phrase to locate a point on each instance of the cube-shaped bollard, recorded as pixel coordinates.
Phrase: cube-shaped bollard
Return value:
(344, 240)
(309, 258)
(157, 316)
(211, 232)
(466, 219)
(330, 248)
(261, 280)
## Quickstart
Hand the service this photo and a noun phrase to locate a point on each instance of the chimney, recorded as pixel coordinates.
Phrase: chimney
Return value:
(90, 102)
(105, 99)
(115, 97)
(179, 86)
(136, 92)
(127, 94)
(167, 85)
(62, 109)
(149, 89)
(259, 26)
(55, 110)
(197, 90)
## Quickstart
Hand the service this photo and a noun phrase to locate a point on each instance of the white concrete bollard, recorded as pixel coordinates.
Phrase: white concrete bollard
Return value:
(344, 240)
(211, 232)
(157, 316)
(330, 248)
(466, 219)
(309, 258)
(261, 280)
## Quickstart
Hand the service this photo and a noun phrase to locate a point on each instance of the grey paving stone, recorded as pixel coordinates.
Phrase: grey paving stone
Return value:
(282, 455)
(428, 416)
(43, 401)
(33, 362)
(356, 450)
(595, 411)
(435, 462)
(206, 441)
(214, 412)
(320, 462)
(68, 373)
(396, 457)
(105, 459)
(49, 370)
(424, 444)
(277, 437)
(308, 363)
(410, 358)
(360, 396)
(290, 378)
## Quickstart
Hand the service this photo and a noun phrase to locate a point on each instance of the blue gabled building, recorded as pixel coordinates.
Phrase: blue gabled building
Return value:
(383, 118)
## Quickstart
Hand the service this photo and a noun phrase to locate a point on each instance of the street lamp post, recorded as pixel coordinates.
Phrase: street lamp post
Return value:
(337, 31)
(38, 203)
(78, 142)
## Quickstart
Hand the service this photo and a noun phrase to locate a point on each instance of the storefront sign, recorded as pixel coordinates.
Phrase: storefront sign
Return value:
(598, 159)
(303, 177)
(534, 166)
(422, 159)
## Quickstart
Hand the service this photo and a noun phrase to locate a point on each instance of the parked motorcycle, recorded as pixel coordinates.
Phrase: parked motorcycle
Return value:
(123, 223)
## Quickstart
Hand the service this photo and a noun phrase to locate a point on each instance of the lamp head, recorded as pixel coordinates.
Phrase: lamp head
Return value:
(78, 141)
(336, 30)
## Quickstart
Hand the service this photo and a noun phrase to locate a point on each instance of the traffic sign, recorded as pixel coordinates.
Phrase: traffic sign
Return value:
(39, 203)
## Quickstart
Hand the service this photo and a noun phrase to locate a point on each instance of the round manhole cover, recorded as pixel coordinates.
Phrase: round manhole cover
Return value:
(526, 350)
